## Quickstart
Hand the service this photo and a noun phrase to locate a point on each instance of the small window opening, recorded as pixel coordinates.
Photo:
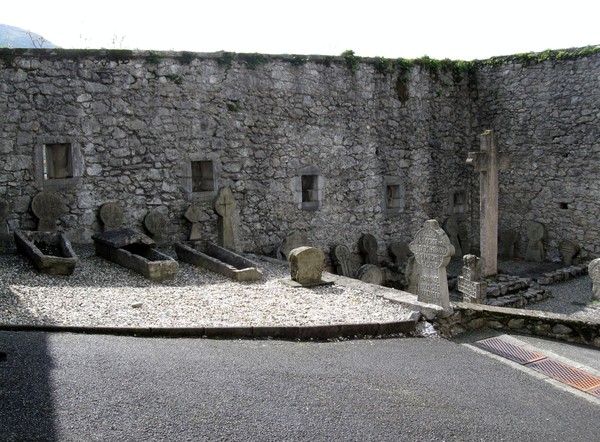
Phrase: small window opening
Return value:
(563, 206)
(310, 189)
(57, 161)
(202, 176)
(394, 196)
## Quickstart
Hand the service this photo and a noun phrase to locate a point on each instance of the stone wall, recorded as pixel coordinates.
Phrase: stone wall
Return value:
(547, 117)
(380, 152)
(137, 121)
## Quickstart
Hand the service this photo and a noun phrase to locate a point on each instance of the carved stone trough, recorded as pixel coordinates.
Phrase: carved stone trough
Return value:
(136, 251)
(50, 252)
(218, 260)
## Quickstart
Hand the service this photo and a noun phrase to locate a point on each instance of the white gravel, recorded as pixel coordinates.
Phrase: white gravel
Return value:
(103, 294)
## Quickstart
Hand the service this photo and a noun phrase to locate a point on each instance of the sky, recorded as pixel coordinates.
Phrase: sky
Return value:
(455, 29)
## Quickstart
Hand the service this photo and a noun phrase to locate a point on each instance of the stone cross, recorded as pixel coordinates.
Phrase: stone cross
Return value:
(156, 223)
(194, 215)
(510, 239)
(225, 206)
(341, 259)
(488, 162)
(568, 251)
(469, 283)
(451, 229)
(433, 251)
(111, 215)
(400, 251)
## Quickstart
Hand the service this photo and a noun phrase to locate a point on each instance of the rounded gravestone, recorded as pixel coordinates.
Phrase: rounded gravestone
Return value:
(568, 250)
(4, 210)
(48, 207)
(306, 265)
(536, 232)
(451, 229)
(370, 273)
(194, 215)
(400, 251)
(111, 215)
(155, 223)
(368, 246)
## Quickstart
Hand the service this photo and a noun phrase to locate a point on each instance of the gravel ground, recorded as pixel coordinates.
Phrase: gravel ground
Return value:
(102, 294)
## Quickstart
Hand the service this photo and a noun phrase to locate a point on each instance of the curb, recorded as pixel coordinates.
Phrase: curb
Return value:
(317, 332)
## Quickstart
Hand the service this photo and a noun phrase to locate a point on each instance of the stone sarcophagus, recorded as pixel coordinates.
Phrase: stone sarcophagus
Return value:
(50, 252)
(218, 259)
(136, 251)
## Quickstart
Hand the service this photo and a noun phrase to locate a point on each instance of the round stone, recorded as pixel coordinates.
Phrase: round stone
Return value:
(111, 215)
(370, 273)
(155, 222)
(193, 214)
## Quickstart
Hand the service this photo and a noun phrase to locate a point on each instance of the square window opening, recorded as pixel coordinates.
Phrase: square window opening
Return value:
(394, 196)
(203, 176)
(310, 188)
(58, 161)
(459, 201)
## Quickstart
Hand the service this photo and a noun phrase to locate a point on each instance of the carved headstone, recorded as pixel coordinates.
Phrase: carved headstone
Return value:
(111, 215)
(400, 252)
(341, 260)
(156, 223)
(225, 206)
(451, 229)
(306, 265)
(470, 284)
(367, 244)
(594, 272)
(48, 207)
(509, 242)
(568, 251)
(370, 273)
(488, 162)
(293, 240)
(433, 251)
(536, 232)
(194, 215)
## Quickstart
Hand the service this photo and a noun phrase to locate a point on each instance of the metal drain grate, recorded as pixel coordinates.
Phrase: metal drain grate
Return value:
(594, 391)
(566, 374)
(509, 351)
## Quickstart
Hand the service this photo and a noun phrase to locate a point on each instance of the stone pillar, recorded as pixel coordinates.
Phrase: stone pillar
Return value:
(594, 272)
(225, 206)
(487, 162)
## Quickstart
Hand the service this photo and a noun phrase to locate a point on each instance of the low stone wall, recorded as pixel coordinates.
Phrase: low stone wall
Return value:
(474, 317)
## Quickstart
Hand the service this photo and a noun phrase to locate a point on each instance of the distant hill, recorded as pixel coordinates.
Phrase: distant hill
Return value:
(13, 37)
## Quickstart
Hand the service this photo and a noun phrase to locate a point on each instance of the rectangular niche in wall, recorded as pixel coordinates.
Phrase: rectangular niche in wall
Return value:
(459, 203)
(394, 195)
(57, 161)
(203, 176)
(308, 190)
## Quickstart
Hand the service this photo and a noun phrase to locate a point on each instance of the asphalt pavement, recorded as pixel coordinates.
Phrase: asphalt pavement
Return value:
(70, 387)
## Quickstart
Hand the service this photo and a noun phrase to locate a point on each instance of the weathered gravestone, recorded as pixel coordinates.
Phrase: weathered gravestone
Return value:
(292, 241)
(306, 266)
(194, 215)
(6, 239)
(111, 216)
(488, 162)
(433, 251)
(367, 244)
(156, 223)
(370, 273)
(340, 255)
(226, 206)
(451, 229)
(510, 239)
(594, 272)
(400, 252)
(536, 233)
(568, 251)
(48, 207)
(470, 284)
(413, 273)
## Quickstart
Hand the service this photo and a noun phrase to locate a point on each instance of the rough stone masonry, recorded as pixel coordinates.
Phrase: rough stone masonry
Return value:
(309, 147)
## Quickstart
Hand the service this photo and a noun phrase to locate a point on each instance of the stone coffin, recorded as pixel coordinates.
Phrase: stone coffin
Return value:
(136, 251)
(218, 260)
(50, 252)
